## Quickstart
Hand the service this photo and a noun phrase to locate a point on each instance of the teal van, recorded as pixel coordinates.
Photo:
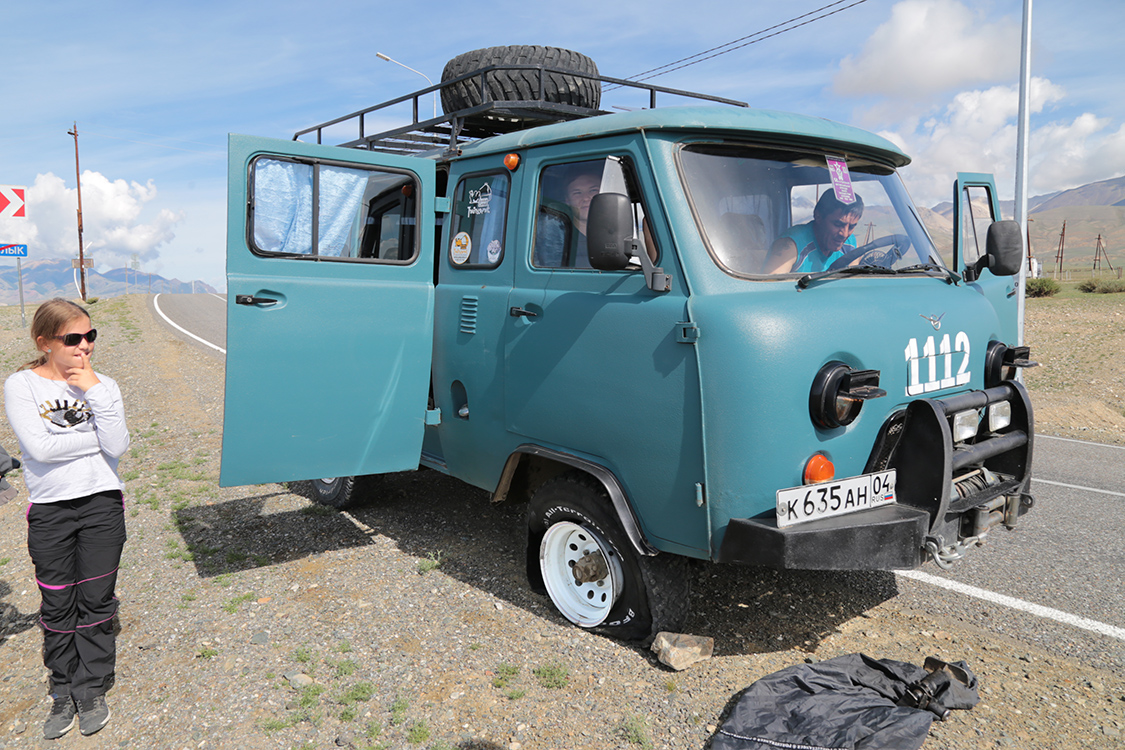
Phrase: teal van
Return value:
(594, 315)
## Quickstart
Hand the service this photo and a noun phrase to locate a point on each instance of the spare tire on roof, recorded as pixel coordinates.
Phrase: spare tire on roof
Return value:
(521, 85)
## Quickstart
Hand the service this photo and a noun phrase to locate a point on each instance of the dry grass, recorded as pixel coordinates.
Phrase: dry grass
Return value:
(1079, 389)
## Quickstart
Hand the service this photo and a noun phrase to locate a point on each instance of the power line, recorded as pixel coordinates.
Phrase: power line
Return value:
(723, 49)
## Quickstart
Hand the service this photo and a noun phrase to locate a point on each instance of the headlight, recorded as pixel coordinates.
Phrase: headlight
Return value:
(965, 424)
(838, 393)
(999, 416)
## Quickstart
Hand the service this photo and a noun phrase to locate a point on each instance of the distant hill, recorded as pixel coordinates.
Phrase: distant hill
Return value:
(43, 279)
(1089, 211)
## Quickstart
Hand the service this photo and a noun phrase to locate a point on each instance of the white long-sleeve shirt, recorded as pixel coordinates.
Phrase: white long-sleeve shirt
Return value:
(71, 441)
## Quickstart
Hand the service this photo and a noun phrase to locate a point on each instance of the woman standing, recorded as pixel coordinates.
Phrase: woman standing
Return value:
(70, 423)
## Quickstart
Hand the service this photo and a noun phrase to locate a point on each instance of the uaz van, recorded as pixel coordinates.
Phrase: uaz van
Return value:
(595, 314)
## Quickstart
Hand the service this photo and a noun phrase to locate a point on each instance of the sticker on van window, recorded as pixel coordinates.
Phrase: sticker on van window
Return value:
(479, 200)
(841, 179)
(462, 248)
(494, 251)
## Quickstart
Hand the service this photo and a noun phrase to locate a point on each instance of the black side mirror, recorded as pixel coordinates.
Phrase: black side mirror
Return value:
(1003, 248)
(609, 230)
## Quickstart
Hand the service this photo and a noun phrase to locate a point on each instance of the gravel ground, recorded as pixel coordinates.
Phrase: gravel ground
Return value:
(251, 618)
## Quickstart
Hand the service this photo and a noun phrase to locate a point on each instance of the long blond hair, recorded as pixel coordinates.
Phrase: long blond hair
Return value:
(51, 317)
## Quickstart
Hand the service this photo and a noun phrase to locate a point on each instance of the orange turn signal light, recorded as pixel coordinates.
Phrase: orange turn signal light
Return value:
(819, 469)
(512, 162)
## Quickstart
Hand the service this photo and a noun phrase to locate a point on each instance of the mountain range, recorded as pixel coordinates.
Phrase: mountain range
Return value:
(43, 279)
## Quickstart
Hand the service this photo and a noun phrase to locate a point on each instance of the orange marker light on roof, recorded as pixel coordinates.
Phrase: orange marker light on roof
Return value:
(512, 162)
(819, 469)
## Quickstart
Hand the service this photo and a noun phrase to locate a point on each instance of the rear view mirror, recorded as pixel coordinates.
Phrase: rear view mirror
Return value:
(611, 244)
(1004, 248)
(609, 231)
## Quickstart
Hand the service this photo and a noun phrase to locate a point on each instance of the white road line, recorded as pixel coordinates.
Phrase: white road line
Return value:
(1078, 487)
(205, 342)
(218, 297)
(1010, 601)
(1080, 442)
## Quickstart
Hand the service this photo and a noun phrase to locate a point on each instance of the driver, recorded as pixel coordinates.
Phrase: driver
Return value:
(815, 246)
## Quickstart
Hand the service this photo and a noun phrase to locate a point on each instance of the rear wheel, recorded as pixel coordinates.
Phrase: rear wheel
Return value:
(591, 572)
(337, 492)
(521, 85)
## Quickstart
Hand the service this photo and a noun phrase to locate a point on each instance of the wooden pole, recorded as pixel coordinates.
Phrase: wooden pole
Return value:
(78, 180)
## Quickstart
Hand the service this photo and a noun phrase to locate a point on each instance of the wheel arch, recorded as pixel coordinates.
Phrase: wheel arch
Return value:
(530, 465)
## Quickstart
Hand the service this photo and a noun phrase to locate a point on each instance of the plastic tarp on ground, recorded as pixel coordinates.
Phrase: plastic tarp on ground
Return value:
(851, 702)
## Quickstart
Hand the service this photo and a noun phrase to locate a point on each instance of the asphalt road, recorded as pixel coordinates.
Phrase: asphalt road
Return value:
(1065, 561)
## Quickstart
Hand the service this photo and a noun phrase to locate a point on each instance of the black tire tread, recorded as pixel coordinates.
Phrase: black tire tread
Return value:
(521, 85)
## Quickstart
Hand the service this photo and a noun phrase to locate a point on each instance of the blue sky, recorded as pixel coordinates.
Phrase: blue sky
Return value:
(156, 87)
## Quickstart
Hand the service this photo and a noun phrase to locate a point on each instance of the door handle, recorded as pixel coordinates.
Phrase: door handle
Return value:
(250, 299)
(519, 312)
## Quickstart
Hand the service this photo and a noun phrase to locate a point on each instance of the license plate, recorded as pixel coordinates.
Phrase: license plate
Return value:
(813, 501)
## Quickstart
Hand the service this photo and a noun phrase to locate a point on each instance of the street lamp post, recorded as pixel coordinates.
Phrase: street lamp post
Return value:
(381, 56)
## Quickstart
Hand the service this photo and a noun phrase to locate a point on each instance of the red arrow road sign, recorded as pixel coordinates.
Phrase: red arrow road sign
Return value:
(12, 203)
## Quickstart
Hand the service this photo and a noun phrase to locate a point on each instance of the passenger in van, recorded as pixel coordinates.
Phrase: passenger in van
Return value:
(815, 246)
(581, 188)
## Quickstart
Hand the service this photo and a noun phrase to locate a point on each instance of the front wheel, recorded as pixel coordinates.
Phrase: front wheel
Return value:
(591, 572)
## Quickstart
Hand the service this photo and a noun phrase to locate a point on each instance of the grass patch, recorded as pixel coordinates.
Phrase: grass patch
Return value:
(359, 692)
(276, 725)
(398, 710)
(418, 732)
(1042, 287)
(303, 654)
(634, 730)
(318, 510)
(207, 652)
(552, 676)
(505, 673)
(232, 606)
(431, 562)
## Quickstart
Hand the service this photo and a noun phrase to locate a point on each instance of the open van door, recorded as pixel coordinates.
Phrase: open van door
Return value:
(975, 206)
(329, 311)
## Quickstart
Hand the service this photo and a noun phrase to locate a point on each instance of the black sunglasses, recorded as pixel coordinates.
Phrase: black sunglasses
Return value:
(72, 339)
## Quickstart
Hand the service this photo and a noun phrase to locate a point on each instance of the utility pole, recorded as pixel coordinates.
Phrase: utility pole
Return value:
(1099, 253)
(1059, 254)
(78, 180)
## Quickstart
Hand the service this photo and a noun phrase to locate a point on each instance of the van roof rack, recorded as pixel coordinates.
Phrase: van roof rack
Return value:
(483, 120)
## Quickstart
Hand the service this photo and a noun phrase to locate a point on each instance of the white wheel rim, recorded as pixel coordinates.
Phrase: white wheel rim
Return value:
(586, 604)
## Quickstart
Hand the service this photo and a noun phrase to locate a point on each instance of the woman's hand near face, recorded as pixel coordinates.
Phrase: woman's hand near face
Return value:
(82, 377)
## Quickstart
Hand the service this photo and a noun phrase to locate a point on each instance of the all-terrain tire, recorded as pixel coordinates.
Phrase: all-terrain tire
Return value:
(339, 492)
(521, 85)
(655, 592)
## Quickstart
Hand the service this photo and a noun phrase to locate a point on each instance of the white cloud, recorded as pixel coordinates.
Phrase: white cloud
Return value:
(976, 132)
(113, 228)
(931, 46)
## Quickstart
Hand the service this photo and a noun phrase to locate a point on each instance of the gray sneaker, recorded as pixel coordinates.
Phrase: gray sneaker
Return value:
(61, 719)
(93, 714)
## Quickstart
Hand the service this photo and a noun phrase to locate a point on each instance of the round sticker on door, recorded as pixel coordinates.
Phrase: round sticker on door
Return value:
(462, 247)
(494, 251)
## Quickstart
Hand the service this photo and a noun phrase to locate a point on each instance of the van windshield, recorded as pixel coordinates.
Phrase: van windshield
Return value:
(770, 212)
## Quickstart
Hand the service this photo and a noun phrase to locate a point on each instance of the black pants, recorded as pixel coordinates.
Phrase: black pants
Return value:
(76, 548)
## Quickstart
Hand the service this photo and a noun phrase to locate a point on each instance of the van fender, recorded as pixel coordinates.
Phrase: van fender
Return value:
(621, 507)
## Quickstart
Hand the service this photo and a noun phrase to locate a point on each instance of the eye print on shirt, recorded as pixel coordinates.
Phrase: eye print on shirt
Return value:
(65, 413)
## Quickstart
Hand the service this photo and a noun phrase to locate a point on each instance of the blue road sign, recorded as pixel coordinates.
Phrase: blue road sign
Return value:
(15, 251)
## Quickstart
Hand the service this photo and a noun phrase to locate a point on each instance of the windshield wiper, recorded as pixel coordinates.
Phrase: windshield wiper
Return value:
(950, 276)
(804, 281)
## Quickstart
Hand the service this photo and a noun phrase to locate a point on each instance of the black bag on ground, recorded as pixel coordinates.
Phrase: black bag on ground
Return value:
(851, 702)
(7, 463)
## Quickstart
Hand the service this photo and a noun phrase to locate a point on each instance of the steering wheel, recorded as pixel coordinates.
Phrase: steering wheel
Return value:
(871, 254)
